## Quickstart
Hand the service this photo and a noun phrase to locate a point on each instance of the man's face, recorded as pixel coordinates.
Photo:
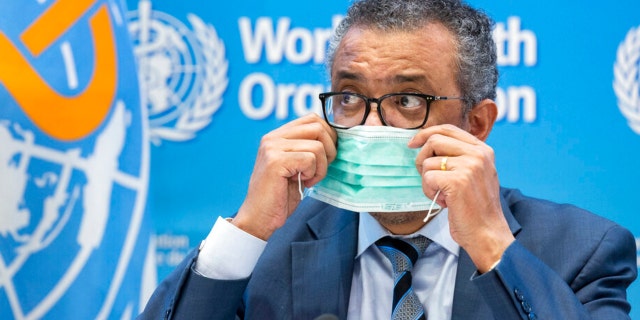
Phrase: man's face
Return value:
(373, 63)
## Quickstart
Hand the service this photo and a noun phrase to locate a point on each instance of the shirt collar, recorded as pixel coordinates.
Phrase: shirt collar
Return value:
(369, 231)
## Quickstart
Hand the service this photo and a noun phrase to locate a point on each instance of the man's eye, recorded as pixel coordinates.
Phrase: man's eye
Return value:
(348, 99)
(409, 101)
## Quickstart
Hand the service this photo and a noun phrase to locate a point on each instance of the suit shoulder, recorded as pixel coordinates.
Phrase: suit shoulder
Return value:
(548, 213)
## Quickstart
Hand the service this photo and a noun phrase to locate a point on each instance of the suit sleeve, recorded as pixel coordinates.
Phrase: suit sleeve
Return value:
(185, 294)
(524, 287)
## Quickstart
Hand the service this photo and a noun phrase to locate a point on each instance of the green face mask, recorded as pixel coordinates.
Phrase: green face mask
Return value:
(374, 171)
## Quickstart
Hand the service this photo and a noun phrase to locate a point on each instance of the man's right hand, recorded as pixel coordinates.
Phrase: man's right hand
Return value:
(306, 145)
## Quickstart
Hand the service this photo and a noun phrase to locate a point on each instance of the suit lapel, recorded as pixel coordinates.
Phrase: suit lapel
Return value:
(467, 300)
(322, 269)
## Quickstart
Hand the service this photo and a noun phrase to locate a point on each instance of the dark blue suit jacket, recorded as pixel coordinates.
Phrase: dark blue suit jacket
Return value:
(566, 263)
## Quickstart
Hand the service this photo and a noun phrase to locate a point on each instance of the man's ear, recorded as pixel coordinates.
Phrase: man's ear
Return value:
(481, 118)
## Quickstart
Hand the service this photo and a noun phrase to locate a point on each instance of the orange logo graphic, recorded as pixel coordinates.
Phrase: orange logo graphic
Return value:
(62, 117)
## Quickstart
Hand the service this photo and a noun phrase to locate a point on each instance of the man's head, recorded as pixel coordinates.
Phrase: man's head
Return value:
(475, 54)
(408, 59)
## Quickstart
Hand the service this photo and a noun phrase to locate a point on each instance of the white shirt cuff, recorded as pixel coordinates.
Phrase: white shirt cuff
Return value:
(228, 252)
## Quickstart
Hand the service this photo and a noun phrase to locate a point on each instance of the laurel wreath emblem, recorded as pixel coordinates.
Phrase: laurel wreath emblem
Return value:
(627, 81)
(213, 86)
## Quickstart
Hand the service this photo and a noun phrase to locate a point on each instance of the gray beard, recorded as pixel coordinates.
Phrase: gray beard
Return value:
(398, 218)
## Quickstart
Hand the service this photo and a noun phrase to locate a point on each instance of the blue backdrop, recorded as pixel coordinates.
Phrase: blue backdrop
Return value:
(216, 76)
(74, 163)
(562, 132)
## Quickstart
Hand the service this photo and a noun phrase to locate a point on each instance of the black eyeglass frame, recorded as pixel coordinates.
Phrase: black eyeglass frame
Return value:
(427, 97)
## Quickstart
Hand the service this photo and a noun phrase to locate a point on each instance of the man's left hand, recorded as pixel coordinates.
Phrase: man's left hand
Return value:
(469, 188)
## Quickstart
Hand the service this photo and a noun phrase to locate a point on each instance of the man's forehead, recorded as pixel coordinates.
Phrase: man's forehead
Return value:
(394, 78)
(433, 39)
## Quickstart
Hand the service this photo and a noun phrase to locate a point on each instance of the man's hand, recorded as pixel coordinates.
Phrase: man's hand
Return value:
(469, 188)
(306, 145)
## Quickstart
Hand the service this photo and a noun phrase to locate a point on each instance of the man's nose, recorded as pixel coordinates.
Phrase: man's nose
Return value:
(373, 118)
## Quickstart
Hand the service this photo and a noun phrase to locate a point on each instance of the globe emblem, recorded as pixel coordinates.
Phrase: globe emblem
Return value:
(71, 207)
(59, 204)
(183, 72)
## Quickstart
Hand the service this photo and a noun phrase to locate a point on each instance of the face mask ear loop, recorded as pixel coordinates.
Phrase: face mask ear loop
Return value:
(300, 187)
(429, 213)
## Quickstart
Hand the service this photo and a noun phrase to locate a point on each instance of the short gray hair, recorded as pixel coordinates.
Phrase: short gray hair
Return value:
(477, 73)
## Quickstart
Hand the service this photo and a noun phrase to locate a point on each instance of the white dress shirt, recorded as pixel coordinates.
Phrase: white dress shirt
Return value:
(372, 284)
(434, 274)
(219, 258)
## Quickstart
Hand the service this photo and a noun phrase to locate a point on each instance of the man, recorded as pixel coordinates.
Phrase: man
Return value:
(491, 253)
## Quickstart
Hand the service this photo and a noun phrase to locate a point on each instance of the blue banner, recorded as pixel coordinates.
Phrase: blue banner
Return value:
(74, 163)
(218, 76)
(223, 74)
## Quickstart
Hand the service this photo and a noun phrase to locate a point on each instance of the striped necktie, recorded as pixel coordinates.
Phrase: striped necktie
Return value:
(403, 254)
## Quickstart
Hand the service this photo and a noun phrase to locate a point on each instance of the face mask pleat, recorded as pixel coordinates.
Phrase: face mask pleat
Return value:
(370, 180)
(379, 153)
(366, 199)
(374, 171)
(386, 171)
(363, 146)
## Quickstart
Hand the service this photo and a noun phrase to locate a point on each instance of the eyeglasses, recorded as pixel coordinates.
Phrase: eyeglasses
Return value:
(401, 110)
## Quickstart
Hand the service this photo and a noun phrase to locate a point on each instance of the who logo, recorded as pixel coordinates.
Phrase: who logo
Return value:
(73, 162)
(626, 82)
(183, 71)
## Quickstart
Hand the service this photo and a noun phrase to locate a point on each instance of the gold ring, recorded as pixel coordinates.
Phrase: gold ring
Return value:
(443, 163)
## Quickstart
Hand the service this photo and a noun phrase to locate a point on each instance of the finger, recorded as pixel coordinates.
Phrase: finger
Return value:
(310, 129)
(308, 157)
(311, 121)
(447, 130)
(442, 163)
(438, 146)
(309, 118)
(434, 181)
(304, 168)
